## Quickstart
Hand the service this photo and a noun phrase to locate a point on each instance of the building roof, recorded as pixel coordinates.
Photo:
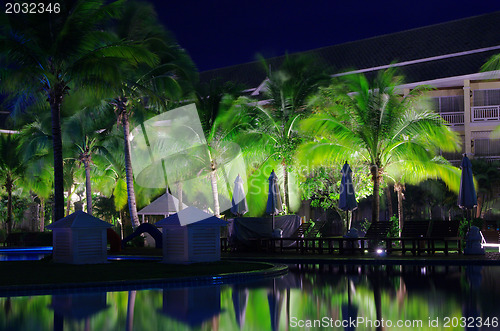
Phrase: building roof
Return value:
(191, 216)
(79, 219)
(448, 49)
(165, 204)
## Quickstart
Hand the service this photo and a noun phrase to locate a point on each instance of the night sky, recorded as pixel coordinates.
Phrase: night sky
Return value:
(220, 33)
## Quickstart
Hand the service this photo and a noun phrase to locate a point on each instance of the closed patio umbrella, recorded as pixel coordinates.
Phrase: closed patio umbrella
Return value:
(274, 205)
(347, 200)
(239, 202)
(467, 198)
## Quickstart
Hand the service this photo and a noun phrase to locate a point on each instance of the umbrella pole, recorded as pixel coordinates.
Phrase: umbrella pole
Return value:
(347, 220)
(349, 216)
(470, 217)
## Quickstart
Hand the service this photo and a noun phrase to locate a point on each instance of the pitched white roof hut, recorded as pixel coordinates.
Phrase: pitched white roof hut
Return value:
(191, 236)
(165, 205)
(79, 239)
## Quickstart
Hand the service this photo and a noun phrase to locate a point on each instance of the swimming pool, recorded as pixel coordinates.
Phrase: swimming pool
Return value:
(310, 297)
(25, 253)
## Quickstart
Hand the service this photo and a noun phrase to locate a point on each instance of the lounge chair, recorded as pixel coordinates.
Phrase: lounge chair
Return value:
(311, 241)
(301, 230)
(270, 243)
(304, 238)
(412, 237)
(378, 231)
(490, 238)
(445, 232)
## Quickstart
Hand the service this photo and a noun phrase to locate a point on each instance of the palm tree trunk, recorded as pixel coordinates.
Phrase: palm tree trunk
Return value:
(55, 99)
(399, 189)
(128, 172)
(376, 190)
(179, 193)
(484, 204)
(8, 187)
(68, 202)
(42, 214)
(215, 193)
(389, 201)
(286, 193)
(480, 200)
(88, 188)
(121, 225)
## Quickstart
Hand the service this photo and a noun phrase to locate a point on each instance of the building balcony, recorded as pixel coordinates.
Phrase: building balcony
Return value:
(453, 118)
(485, 114)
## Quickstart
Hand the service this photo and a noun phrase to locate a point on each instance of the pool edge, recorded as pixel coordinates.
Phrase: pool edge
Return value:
(130, 285)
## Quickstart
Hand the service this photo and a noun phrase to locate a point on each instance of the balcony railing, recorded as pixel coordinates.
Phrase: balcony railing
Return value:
(453, 118)
(478, 114)
(485, 113)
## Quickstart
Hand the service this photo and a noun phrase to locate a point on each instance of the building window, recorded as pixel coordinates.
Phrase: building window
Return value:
(485, 145)
(486, 98)
(449, 104)
(451, 109)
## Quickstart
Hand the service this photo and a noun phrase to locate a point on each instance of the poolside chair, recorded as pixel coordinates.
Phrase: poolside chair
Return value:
(301, 230)
(303, 239)
(413, 237)
(443, 232)
(287, 242)
(377, 232)
(311, 240)
(490, 238)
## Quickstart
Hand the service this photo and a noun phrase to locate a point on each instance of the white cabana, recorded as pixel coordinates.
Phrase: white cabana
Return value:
(165, 206)
(79, 238)
(190, 236)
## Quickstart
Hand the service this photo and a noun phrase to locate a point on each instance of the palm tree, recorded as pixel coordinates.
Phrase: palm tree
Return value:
(287, 89)
(488, 179)
(108, 176)
(36, 150)
(11, 170)
(147, 87)
(209, 96)
(72, 179)
(222, 119)
(372, 122)
(39, 178)
(111, 179)
(221, 136)
(46, 56)
(415, 172)
(203, 151)
(86, 130)
(275, 134)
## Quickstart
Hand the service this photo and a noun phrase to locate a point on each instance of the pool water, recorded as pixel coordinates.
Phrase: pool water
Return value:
(22, 254)
(313, 297)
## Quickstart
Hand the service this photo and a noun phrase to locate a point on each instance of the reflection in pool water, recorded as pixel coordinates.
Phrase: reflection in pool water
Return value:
(309, 295)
